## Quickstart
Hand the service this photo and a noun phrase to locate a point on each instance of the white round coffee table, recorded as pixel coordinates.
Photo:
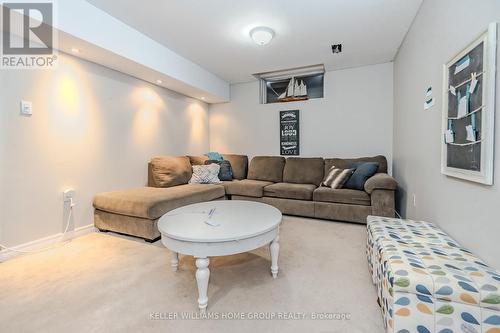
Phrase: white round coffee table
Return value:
(219, 228)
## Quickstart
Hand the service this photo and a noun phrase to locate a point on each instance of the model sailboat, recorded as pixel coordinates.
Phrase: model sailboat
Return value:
(296, 91)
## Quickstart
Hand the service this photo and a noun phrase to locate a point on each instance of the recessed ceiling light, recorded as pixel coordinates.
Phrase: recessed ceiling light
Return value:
(75, 50)
(159, 81)
(203, 97)
(262, 35)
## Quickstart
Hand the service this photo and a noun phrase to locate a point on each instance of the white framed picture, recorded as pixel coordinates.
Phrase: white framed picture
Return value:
(468, 125)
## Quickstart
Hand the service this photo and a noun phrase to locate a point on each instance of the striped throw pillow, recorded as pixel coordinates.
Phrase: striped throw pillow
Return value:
(336, 177)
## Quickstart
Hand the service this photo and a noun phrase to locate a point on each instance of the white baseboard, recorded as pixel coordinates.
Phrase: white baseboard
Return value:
(41, 243)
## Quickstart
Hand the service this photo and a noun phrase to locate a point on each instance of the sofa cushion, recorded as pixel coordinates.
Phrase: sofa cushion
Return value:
(346, 163)
(267, 168)
(197, 160)
(290, 191)
(246, 187)
(152, 202)
(170, 171)
(300, 170)
(341, 195)
(227, 183)
(239, 165)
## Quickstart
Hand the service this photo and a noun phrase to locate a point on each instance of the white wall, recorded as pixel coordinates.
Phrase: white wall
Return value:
(92, 129)
(468, 211)
(353, 119)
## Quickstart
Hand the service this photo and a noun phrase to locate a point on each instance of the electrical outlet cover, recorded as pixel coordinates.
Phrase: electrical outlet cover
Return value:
(68, 194)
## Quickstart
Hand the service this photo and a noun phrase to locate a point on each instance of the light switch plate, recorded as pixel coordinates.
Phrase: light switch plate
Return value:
(26, 108)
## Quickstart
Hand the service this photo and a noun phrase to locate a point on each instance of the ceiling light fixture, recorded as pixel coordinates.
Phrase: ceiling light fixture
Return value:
(203, 97)
(159, 81)
(262, 35)
(75, 50)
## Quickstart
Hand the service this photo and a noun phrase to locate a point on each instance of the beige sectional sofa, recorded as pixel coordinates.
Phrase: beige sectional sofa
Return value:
(292, 185)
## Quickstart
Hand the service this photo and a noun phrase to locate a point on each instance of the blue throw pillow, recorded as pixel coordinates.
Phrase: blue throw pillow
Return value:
(215, 156)
(364, 170)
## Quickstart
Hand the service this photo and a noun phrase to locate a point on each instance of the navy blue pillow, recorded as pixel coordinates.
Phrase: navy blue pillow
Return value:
(364, 170)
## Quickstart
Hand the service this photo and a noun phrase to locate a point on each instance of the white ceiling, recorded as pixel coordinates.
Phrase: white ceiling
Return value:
(214, 34)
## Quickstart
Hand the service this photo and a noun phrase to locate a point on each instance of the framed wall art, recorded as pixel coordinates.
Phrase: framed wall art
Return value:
(289, 133)
(469, 111)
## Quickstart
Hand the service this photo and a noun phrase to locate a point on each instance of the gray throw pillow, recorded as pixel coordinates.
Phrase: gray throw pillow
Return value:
(205, 174)
(364, 170)
(226, 171)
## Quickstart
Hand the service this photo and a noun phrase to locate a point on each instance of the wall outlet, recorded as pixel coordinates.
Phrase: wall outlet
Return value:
(68, 194)
(414, 200)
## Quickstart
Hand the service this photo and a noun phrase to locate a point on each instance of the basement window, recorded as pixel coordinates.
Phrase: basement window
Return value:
(291, 85)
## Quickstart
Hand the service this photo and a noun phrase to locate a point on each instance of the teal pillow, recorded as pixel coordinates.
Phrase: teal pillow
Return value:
(364, 170)
(214, 156)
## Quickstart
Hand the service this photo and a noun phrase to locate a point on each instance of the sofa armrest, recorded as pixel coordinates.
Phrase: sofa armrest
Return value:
(380, 181)
(151, 180)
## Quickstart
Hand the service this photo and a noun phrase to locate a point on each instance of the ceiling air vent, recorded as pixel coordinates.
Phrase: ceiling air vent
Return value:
(336, 48)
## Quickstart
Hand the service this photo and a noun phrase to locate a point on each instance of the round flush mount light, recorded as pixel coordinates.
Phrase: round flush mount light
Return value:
(262, 35)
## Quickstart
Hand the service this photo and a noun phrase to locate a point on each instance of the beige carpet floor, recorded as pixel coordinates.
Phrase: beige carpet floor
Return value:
(110, 283)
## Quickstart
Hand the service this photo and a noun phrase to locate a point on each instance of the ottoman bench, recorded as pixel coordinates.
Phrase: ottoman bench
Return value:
(427, 283)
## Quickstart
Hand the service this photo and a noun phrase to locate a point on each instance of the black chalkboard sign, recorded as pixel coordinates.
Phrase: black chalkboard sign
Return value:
(289, 132)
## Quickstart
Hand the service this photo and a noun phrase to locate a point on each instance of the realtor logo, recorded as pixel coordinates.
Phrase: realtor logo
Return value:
(28, 35)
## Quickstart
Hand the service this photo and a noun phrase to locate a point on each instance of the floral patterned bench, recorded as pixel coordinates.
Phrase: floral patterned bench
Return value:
(427, 283)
